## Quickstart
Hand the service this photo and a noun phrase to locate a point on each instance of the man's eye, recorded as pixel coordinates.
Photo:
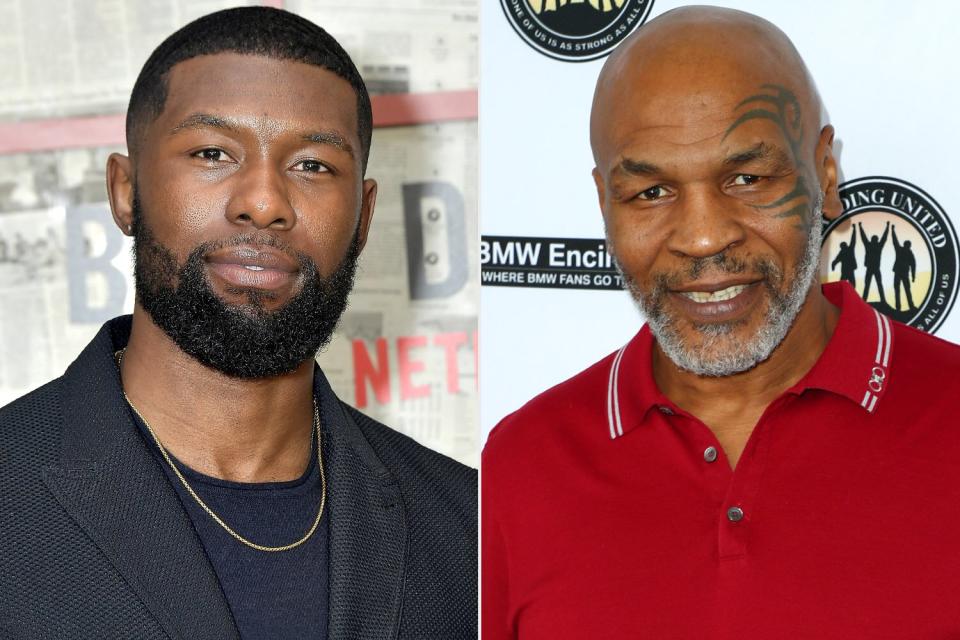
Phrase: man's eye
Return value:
(311, 166)
(211, 155)
(653, 193)
(745, 179)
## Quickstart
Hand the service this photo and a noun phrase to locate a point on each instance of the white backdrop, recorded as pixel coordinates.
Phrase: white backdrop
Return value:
(884, 70)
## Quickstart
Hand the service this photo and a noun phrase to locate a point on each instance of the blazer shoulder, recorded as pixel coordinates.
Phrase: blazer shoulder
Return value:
(416, 467)
(33, 423)
(31, 430)
(398, 450)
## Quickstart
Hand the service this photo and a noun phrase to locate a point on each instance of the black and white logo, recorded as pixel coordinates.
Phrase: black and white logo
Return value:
(575, 30)
(897, 248)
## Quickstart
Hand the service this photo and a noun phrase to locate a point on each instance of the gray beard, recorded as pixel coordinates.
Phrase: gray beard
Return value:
(719, 353)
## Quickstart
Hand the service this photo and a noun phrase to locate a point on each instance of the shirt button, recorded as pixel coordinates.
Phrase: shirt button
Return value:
(710, 454)
(667, 411)
(734, 514)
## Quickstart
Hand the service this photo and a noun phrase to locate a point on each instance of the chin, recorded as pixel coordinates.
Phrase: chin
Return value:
(718, 349)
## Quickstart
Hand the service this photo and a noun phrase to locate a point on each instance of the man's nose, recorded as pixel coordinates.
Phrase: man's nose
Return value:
(260, 198)
(704, 223)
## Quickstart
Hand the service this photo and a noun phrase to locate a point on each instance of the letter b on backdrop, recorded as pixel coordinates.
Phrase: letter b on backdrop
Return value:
(97, 288)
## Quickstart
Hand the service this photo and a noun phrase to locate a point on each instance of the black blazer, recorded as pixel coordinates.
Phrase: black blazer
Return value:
(95, 544)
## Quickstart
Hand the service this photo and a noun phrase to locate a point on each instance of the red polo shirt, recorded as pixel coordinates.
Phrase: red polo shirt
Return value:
(607, 512)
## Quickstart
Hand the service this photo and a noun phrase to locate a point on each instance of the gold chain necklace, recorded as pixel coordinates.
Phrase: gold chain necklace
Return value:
(118, 356)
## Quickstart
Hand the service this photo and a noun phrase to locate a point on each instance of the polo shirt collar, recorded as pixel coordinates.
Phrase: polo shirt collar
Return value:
(855, 364)
(631, 390)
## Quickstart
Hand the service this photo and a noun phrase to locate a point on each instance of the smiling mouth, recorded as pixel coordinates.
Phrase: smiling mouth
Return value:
(702, 297)
(711, 303)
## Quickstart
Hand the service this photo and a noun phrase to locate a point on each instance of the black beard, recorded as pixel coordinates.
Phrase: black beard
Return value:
(244, 341)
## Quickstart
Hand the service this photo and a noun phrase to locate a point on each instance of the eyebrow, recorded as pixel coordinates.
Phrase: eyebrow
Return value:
(636, 168)
(202, 120)
(331, 138)
(760, 151)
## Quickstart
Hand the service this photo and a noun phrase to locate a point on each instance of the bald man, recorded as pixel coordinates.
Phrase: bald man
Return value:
(767, 457)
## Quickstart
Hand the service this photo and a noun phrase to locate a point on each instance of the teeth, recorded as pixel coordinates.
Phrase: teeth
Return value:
(716, 296)
(253, 267)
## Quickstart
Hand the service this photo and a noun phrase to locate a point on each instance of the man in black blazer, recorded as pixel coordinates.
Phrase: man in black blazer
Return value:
(192, 475)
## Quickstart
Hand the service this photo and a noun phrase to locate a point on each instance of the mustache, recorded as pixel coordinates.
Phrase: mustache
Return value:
(253, 239)
(202, 250)
(721, 263)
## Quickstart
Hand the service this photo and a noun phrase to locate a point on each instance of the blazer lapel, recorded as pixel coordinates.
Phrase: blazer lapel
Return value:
(113, 487)
(367, 530)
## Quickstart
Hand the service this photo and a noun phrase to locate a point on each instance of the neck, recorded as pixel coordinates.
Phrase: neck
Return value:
(244, 430)
(732, 405)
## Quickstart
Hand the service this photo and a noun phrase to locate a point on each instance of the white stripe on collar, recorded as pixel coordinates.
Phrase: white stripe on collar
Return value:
(878, 374)
(613, 396)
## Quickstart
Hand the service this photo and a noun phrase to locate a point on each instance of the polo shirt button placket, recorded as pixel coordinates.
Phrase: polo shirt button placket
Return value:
(733, 532)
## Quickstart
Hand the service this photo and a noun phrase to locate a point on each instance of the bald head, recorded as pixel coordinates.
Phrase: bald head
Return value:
(686, 57)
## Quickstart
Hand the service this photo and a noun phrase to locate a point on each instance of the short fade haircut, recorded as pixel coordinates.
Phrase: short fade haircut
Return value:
(260, 31)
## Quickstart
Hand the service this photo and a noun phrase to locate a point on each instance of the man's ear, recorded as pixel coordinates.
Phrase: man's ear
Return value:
(368, 200)
(120, 191)
(827, 174)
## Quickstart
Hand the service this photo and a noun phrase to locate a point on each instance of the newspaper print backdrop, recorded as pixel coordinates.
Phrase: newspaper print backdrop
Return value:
(549, 307)
(405, 351)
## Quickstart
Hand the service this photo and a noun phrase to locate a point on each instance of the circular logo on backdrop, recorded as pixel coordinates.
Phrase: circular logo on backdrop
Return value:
(897, 248)
(575, 30)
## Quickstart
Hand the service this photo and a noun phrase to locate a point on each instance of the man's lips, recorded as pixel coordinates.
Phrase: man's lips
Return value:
(713, 290)
(718, 301)
(253, 266)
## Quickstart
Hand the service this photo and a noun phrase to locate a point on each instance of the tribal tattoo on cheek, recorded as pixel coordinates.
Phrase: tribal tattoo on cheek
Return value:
(783, 109)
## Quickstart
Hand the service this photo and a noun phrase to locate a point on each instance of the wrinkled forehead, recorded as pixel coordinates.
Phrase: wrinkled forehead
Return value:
(691, 91)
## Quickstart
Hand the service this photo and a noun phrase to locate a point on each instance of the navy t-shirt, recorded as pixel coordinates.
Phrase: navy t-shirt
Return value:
(271, 594)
